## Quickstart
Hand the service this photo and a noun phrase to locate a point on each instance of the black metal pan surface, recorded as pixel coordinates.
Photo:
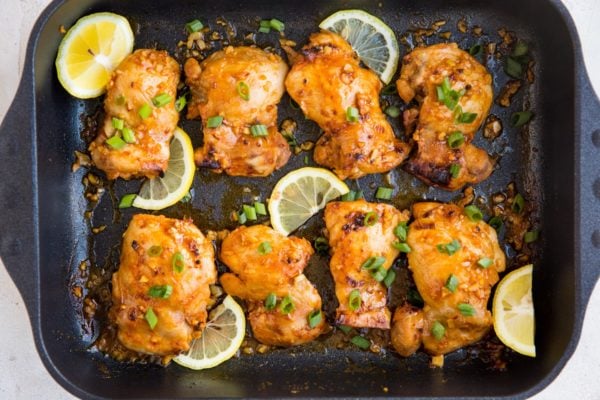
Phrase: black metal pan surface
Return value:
(46, 236)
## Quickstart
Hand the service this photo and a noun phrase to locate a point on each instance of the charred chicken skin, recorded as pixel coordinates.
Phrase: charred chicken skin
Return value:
(264, 263)
(161, 291)
(139, 79)
(236, 91)
(455, 263)
(342, 97)
(455, 94)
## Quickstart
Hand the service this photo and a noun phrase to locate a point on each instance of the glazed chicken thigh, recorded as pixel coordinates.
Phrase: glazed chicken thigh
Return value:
(455, 94)
(342, 97)
(235, 91)
(265, 263)
(140, 79)
(455, 263)
(360, 232)
(161, 290)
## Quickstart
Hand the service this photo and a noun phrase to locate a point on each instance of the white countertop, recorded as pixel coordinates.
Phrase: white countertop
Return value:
(22, 375)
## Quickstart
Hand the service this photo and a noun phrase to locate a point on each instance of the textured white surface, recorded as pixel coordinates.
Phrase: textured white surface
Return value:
(22, 375)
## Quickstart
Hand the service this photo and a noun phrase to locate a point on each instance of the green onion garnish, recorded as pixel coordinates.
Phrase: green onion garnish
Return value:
(476, 50)
(117, 123)
(345, 328)
(520, 118)
(513, 68)
(352, 114)
(518, 204)
(162, 291)
(403, 247)
(350, 196)
(354, 300)
(389, 89)
(116, 142)
(321, 245)
(242, 219)
(260, 208)
(145, 111)
(161, 100)
(384, 193)
(392, 111)
(438, 331)
(531, 236)
(451, 283)
(177, 262)
(151, 318)
(194, 26)
(127, 200)
(270, 301)
(389, 278)
(448, 96)
(249, 212)
(259, 130)
(449, 248)
(187, 198)
(415, 298)
(496, 223)
(243, 90)
(520, 49)
(371, 218)
(466, 309)
(379, 273)
(360, 342)
(485, 262)
(373, 263)
(454, 170)
(455, 139)
(314, 318)
(180, 103)
(214, 122)
(401, 231)
(264, 248)
(287, 305)
(265, 26)
(306, 160)
(128, 135)
(473, 213)
(155, 251)
(277, 25)
(466, 117)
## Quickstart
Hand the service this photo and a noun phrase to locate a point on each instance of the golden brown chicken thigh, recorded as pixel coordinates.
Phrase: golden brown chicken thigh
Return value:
(264, 263)
(455, 263)
(327, 81)
(138, 83)
(241, 85)
(469, 92)
(161, 290)
(358, 232)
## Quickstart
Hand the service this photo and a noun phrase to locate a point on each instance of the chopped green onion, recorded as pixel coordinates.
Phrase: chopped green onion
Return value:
(287, 305)
(277, 25)
(260, 208)
(145, 111)
(265, 26)
(449, 248)
(531, 236)
(161, 100)
(321, 245)
(360, 342)
(371, 218)
(379, 273)
(384, 193)
(455, 139)
(314, 318)
(448, 96)
(403, 247)
(352, 114)
(305, 160)
(496, 223)
(520, 118)
(518, 204)
(249, 212)
(466, 117)
(155, 251)
(401, 231)
(520, 49)
(194, 26)
(259, 130)
(485, 262)
(128, 135)
(466, 309)
(354, 300)
(454, 170)
(350, 196)
(270, 301)
(476, 50)
(116, 142)
(389, 278)
(242, 219)
(392, 111)
(373, 263)
(180, 103)
(452, 283)
(127, 200)
(187, 198)
(151, 318)
(513, 68)
(214, 122)
(473, 213)
(243, 90)
(162, 291)
(438, 331)
(345, 328)
(177, 262)
(264, 248)
(389, 89)
(117, 123)
(414, 298)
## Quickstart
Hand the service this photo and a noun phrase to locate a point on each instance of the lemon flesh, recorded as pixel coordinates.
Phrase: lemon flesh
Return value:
(373, 41)
(90, 51)
(301, 194)
(514, 319)
(163, 192)
(220, 340)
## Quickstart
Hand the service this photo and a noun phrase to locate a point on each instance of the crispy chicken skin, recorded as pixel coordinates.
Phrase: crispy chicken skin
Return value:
(215, 84)
(352, 243)
(255, 275)
(137, 80)
(439, 224)
(423, 70)
(325, 80)
(181, 316)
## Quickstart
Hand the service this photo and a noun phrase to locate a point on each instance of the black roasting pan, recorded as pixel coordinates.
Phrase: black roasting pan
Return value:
(44, 235)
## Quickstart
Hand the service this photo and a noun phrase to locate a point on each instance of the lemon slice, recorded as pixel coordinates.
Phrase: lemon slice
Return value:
(90, 51)
(162, 192)
(514, 320)
(373, 41)
(220, 340)
(301, 194)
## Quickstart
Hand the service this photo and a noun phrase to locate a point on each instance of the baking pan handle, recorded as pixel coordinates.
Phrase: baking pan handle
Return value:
(18, 247)
(589, 196)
